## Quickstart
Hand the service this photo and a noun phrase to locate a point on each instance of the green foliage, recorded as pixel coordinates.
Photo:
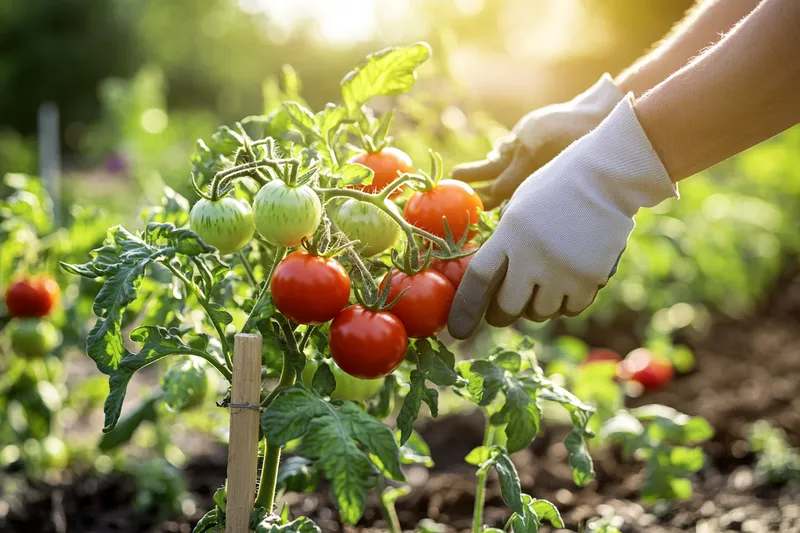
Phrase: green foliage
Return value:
(349, 446)
(776, 461)
(665, 439)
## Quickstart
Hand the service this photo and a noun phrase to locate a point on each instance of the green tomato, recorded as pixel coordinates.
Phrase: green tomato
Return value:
(226, 224)
(375, 230)
(33, 337)
(185, 385)
(347, 386)
(285, 214)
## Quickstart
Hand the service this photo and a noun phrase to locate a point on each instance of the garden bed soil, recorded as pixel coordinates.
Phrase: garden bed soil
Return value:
(747, 370)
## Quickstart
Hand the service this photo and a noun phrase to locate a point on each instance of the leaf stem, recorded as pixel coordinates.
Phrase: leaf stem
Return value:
(389, 514)
(204, 301)
(248, 268)
(480, 489)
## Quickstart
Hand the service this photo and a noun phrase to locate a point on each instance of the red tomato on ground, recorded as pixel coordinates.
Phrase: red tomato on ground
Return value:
(650, 370)
(32, 297)
(424, 307)
(451, 199)
(367, 344)
(601, 354)
(309, 289)
(454, 269)
(386, 164)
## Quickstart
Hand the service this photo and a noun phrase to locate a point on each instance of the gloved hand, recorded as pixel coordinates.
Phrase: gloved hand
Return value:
(536, 139)
(564, 229)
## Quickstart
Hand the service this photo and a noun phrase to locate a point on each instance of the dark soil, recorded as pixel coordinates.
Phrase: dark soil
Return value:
(747, 370)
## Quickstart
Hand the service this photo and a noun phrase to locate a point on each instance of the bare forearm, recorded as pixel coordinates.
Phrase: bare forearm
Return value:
(738, 93)
(701, 28)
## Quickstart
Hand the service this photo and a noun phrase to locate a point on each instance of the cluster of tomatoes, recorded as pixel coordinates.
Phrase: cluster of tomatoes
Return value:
(366, 341)
(29, 300)
(650, 370)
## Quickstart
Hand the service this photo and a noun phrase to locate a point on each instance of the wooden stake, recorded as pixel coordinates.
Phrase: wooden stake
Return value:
(243, 441)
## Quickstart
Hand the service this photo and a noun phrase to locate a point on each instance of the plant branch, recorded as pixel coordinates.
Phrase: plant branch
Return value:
(480, 489)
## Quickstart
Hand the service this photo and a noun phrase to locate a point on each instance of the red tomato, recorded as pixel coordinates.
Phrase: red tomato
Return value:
(386, 164)
(309, 289)
(32, 297)
(367, 344)
(601, 354)
(454, 269)
(650, 370)
(424, 307)
(451, 199)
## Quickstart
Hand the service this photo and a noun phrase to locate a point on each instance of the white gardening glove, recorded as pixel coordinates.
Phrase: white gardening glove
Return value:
(564, 229)
(537, 138)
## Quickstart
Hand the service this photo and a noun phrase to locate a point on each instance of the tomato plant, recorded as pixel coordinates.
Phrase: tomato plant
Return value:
(367, 344)
(310, 289)
(451, 199)
(347, 386)
(297, 168)
(387, 164)
(374, 230)
(32, 296)
(225, 224)
(424, 306)
(285, 214)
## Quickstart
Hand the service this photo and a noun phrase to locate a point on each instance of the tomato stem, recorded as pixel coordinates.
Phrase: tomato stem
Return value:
(248, 268)
(272, 454)
(480, 489)
(389, 514)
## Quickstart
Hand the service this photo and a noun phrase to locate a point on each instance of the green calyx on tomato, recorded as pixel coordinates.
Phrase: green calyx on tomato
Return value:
(226, 224)
(422, 300)
(387, 164)
(31, 337)
(450, 200)
(32, 297)
(185, 385)
(367, 344)
(310, 289)
(364, 222)
(347, 386)
(286, 214)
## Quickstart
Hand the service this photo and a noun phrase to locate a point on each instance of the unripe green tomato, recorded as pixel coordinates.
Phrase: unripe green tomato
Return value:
(185, 385)
(347, 386)
(226, 224)
(375, 231)
(32, 337)
(285, 214)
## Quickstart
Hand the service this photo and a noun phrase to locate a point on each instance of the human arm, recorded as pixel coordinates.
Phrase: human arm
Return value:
(740, 92)
(566, 226)
(543, 133)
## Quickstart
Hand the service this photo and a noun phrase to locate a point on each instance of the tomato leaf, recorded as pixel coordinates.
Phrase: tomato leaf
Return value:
(383, 405)
(324, 382)
(477, 456)
(339, 439)
(355, 174)
(262, 310)
(296, 474)
(509, 479)
(390, 71)
(415, 451)
(212, 522)
(304, 120)
(174, 209)
(545, 510)
(301, 525)
(124, 430)
(409, 411)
